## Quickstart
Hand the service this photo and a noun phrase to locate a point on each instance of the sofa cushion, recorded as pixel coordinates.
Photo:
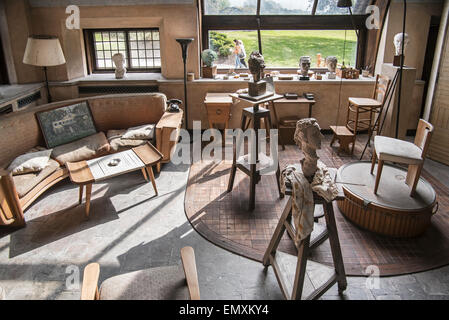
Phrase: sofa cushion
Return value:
(118, 144)
(144, 132)
(24, 183)
(32, 161)
(84, 149)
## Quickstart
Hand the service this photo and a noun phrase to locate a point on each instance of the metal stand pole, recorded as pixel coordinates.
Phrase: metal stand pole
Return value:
(50, 100)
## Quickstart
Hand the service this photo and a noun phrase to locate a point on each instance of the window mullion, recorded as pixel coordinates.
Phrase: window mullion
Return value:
(128, 50)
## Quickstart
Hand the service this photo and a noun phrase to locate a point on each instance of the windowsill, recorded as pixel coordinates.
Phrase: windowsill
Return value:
(110, 77)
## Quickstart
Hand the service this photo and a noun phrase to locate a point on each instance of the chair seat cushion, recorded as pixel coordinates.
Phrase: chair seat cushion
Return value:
(118, 144)
(367, 102)
(162, 283)
(24, 183)
(395, 150)
(84, 149)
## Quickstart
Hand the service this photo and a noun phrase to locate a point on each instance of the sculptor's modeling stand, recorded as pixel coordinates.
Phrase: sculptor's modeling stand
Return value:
(255, 115)
(298, 278)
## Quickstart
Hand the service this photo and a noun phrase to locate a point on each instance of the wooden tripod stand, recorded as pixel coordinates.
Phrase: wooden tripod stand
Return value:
(298, 278)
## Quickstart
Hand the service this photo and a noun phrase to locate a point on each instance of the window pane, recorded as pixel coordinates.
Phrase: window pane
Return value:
(142, 45)
(303, 7)
(230, 7)
(283, 48)
(330, 7)
(222, 43)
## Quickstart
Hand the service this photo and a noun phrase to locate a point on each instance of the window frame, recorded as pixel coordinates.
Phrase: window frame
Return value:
(92, 56)
(259, 22)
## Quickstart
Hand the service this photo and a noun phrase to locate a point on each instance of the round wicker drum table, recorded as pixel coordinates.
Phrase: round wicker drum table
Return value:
(392, 212)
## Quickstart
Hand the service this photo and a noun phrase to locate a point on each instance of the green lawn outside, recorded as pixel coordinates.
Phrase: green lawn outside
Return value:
(283, 48)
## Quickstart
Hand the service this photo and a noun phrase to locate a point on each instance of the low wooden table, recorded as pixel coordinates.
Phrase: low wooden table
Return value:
(85, 173)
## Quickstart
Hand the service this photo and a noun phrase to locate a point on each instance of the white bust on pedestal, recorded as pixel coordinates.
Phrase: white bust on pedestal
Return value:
(119, 61)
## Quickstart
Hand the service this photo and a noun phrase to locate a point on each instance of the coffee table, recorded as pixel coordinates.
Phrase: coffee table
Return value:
(85, 173)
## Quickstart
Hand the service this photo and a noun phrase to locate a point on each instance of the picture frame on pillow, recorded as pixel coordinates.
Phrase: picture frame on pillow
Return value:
(66, 124)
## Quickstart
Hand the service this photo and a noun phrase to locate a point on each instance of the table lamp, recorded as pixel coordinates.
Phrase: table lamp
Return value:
(44, 51)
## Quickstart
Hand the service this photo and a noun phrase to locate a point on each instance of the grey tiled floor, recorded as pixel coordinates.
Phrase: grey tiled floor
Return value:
(130, 229)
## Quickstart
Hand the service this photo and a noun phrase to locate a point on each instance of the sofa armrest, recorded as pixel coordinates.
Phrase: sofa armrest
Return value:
(11, 212)
(168, 123)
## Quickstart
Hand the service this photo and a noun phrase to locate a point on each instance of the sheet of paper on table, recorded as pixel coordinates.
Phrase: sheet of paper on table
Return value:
(101, 168)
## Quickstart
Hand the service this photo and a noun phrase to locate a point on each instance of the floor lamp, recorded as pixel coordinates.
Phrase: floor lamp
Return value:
(184, 42)
(44, 51)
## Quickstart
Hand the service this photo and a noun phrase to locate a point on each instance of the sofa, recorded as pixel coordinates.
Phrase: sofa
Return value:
(112, 114)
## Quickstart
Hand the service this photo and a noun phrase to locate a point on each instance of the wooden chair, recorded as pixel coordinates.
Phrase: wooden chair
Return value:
(162, 283)
(399, 151)
(359, 106)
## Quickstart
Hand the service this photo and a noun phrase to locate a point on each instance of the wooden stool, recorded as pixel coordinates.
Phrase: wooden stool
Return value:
(344, 137)
(252, 170)
(298, 277)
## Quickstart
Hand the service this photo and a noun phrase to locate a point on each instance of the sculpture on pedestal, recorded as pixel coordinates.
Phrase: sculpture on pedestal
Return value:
(119, 62)
(304, 63)
(331, 63)
(401, 41)
(256, 64)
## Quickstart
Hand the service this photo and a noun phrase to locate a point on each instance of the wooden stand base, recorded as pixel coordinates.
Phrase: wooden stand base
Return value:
(298, 277)
(392, 212)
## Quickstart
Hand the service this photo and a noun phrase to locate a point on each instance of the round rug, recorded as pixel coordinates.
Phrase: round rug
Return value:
(223, 218)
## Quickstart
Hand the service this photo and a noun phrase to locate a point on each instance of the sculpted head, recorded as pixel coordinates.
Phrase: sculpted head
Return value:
(304, 63)
(119, 60)
(401, 39)
(256, 64)
(331, 63)
(308, 133)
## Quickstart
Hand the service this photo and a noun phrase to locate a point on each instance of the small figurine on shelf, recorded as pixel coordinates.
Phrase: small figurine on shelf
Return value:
(119, 61)
(318, 60)
(304, 63)
(331, 63)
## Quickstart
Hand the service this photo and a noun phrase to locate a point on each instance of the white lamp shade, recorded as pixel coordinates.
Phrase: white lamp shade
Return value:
(43, 51)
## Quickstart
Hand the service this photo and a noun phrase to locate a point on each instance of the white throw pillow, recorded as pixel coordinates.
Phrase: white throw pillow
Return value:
(145, 132)
(30, 162)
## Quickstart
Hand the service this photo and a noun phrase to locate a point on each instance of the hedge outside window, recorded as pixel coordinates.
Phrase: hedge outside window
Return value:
(140, 48)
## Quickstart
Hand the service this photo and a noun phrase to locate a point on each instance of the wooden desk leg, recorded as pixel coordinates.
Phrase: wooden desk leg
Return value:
(153, 180)
(81, 194)
(277, 125)
(88, 195)
(144, 172)
(310, 110)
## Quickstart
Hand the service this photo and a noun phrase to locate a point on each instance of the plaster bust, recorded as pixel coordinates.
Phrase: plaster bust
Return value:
(304, 63)
(331, 63)
(401, 40)
(256, 64)
(308, 137)
(119, 62)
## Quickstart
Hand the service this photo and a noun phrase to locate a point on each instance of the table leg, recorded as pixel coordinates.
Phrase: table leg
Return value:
(81, 194)
(144, 172)
(310, 110)
(88, 195)
(153, 180)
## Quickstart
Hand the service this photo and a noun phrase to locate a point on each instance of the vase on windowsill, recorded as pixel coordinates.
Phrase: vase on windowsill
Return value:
(209, 72)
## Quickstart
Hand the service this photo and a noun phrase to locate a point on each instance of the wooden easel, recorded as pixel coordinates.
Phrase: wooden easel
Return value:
(298, 278)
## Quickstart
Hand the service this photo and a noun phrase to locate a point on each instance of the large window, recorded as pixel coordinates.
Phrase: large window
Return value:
(140, 48)
(285, 30)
